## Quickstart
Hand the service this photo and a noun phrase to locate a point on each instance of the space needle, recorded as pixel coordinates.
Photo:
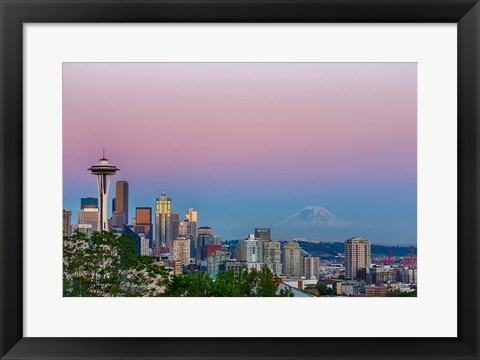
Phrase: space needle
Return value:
(103, 170)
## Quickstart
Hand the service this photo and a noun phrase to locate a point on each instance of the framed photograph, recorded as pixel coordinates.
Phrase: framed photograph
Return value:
(239, 179)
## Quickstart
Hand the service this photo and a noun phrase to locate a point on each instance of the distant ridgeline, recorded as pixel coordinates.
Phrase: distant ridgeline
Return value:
(338, 247)
(323, 249)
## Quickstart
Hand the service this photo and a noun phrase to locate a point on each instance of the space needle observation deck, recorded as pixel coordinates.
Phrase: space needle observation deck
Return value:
(103, 170)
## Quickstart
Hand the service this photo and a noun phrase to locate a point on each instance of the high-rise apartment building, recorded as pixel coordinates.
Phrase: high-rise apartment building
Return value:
(262, 233)
(89, 216)
(311, 266)
(181, 250)
(357, 256)
(163, 220)
(67, 222)
(272, 256)
(143, 223)
(292, 260)
(251, 250)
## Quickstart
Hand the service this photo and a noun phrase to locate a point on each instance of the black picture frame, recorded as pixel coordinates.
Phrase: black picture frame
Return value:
(14, 13)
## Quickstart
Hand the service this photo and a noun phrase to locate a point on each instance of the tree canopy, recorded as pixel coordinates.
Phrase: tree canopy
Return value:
(248, 283)
(106, 264)
(324, 290)
(398, 293)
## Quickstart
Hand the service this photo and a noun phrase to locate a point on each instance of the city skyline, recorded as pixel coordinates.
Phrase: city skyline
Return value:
(298, 146)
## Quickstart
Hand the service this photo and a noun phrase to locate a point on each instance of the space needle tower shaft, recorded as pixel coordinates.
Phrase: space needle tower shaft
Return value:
(103, 171)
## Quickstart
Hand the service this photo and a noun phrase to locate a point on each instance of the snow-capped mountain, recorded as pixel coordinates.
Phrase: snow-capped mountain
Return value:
(316, 217)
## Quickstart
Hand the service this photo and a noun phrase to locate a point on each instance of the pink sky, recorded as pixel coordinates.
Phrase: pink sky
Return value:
(183, 118)
(340, 135)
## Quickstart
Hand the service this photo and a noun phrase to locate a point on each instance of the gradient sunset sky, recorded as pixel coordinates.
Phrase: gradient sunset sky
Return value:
(249, 144)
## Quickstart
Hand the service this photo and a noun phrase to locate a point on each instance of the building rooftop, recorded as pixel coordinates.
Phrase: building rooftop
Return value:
(296, 292)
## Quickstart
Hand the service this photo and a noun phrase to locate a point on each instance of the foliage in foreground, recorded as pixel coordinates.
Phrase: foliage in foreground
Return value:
(398, 293)
(248, 283)
(324, 290)
(106, 264)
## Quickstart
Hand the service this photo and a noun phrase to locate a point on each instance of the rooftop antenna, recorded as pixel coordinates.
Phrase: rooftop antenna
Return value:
(104, 153)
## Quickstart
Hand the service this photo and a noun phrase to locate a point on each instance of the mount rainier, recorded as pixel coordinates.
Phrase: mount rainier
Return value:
(316, 217)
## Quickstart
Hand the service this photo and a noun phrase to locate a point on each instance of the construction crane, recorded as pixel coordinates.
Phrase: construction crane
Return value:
(386, 260)
(411, 260)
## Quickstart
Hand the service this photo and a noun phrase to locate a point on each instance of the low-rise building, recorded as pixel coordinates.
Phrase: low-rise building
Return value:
(300, 283)
(376, 290)
(352, 288)
(380, 274)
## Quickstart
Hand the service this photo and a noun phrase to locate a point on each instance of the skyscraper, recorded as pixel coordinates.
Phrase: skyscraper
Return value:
(120, 209)
(89, 216)
(137, 240)
(103, 171)
(118, 219)
(205, 230)
(204, 238)
(262, 233)
(357, 256)
(192, 216)
(88, 202)
(163, 220)
(292, 260)
(67, 222)
(175, 225)
(143, 223)
(184, 227)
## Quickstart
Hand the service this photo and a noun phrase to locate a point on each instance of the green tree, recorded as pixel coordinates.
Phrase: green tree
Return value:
(106, 264)
(324, 290)
(267, 283)
(398, 293)
(248, 283)
(190, 284)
